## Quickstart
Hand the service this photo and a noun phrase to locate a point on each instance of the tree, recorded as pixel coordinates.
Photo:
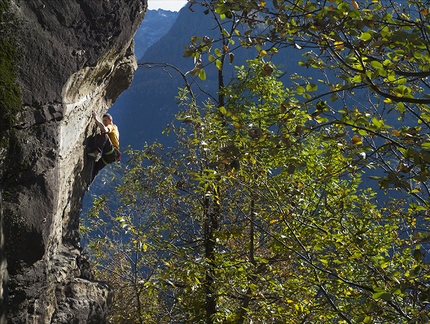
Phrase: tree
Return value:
(260, 213)
(372, 50)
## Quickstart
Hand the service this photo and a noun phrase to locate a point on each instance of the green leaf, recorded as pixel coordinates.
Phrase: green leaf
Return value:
(217, 52)
(357, 78)
(418, 255)
(222, 8)
(364, 319)
(382, 295)
(366, 36)
(376, 65)
(425, 145)
(401, 107)
(311, 87)
(333, 97)
(300, 90)
(378, 123)
(202, 74)
(344, 7)
(218, 64)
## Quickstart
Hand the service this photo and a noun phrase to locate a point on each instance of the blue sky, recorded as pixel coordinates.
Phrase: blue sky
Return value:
(172, 5)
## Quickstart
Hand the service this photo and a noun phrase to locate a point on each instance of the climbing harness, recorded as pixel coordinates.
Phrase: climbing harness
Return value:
(117, 156)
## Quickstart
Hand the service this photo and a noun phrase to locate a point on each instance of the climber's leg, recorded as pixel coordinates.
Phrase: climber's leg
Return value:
(99, 144)
(97, 167)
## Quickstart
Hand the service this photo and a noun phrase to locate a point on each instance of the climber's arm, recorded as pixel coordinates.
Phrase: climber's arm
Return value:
(99, 123)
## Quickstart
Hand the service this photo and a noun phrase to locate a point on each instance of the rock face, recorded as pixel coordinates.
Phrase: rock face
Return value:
(76, 56)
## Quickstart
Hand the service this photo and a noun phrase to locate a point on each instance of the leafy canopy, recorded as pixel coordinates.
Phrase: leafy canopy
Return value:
(264, 211)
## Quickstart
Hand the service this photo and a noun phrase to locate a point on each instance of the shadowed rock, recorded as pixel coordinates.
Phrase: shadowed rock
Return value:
(75, 57)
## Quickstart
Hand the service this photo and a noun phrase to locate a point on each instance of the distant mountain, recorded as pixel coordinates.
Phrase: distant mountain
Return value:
(144, 110)
(155, 25)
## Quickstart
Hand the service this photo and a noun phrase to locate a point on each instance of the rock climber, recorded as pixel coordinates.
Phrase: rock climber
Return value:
(106, 148)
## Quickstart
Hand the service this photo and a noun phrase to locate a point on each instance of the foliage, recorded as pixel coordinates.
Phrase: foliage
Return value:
(263, 212)
(373, 50)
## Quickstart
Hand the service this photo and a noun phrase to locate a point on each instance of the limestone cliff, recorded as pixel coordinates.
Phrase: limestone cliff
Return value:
(75, 56)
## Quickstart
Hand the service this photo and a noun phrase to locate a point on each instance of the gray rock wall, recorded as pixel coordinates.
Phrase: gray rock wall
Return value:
(3, 268)
(76, 56)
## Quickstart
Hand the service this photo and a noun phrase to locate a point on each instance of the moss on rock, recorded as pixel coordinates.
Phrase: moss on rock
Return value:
(10, 94)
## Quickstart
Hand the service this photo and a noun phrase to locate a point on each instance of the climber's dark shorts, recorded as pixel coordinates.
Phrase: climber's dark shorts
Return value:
(109, 153)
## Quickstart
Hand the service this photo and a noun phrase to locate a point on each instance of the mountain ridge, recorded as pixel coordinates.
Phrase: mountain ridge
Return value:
(155, 25)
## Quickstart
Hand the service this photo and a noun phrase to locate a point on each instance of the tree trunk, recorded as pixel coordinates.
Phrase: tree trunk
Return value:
(247, 299)
(211, 226)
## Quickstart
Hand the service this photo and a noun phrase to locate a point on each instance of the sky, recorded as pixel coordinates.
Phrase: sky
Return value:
(172, 5)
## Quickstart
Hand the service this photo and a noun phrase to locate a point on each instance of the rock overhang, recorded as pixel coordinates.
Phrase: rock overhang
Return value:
(75, 57)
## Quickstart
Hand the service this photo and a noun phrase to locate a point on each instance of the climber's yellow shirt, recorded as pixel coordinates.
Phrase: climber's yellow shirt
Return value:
(113, 135)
